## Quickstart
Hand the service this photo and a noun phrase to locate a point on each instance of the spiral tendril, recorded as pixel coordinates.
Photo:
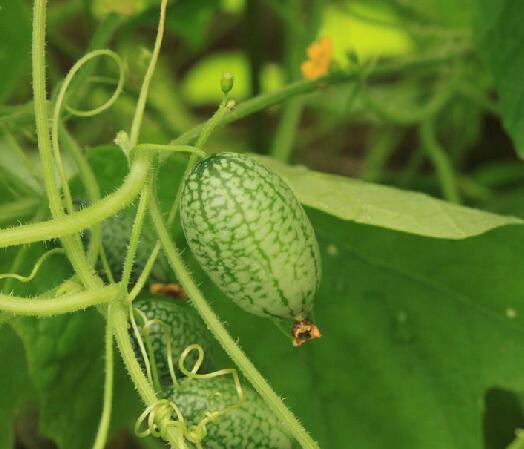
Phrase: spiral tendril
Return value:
(61, 102)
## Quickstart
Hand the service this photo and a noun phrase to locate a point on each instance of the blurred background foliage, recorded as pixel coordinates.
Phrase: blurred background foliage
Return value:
(436, 131)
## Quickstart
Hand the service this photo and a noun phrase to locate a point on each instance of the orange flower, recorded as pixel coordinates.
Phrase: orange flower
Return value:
(319, 55)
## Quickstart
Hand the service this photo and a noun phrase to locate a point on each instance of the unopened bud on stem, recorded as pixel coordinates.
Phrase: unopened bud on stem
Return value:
(227, 82)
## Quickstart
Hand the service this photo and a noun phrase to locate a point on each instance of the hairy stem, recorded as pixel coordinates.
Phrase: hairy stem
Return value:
(170, 149)
(103, 428)
(92, 190)
(62, 304)
(71, 242)
(78, 221)
(135, 234)
(142, 98)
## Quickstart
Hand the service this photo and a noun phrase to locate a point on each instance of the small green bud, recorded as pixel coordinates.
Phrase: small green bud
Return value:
(227, 82)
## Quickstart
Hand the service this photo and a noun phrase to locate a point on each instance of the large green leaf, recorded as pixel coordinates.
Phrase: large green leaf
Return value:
(388, 207)
(500, 36)
(415, 331)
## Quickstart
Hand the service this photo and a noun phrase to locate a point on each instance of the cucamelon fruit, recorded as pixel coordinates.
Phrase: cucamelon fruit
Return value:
(251, 236)
(250, 426)
(186, 328)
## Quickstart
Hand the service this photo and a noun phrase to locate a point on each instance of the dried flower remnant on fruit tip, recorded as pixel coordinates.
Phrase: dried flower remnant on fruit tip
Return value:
(173, 290)
(304, 330)
(319, 54)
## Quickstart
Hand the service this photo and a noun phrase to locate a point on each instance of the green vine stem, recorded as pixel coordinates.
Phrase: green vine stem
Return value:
(92, 190)
(121, 309)
(135, 234)
(169, 149)
(380, 72)
(61, 304)
(133, 141)
(71, 242)
(85, 218)
(219, 331)
(142, 98)
(103, 428)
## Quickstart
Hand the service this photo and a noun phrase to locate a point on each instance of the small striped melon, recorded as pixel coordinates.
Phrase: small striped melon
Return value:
(251, 426)
(251, 236)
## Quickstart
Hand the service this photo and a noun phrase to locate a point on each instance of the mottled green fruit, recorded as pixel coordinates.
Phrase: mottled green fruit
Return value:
(251, 235)
(116, 232)
(186, 328)
(251, 426)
